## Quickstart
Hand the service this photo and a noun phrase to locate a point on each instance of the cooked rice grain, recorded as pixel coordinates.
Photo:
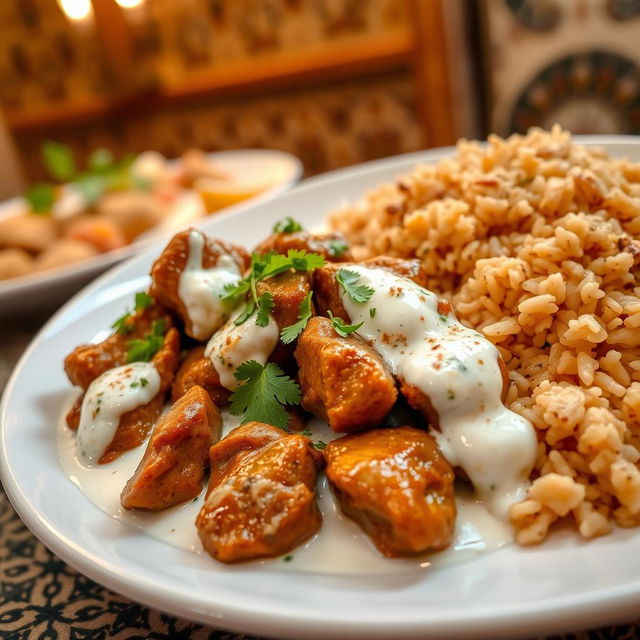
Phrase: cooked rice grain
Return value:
(536, 242)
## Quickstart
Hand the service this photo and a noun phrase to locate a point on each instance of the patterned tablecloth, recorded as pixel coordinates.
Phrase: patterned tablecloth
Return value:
(43, 598)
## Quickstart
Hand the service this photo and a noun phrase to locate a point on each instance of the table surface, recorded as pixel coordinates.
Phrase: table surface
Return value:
(42, 597)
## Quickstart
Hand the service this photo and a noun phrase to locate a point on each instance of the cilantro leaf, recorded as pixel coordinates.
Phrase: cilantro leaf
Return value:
(143, 300)
(288, 225)
(59, 160)
(290, 333)
(341, 327)
(234, 291)
(265, 307)
(144, 349)
(121, 325)
(274, 264)
(303, 261)
(320, 445)
(247, 312)
(338, 248)
(40, 197)
(263, 395)
(357, 292)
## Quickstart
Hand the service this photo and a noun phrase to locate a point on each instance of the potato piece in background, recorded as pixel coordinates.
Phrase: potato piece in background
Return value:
(102, 232)
(15, 263)
(63, 252)
(133, 211)
(31, 232)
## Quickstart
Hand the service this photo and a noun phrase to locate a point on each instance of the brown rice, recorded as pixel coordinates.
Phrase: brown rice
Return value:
(536, 242)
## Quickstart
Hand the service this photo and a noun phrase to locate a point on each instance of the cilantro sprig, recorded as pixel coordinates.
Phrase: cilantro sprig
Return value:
(288, 225)
(290, 333)
(338, 248)
(264, 394)
(142, 301)
(341, 327)
(145, 348)
(357, 292)
(263, 267)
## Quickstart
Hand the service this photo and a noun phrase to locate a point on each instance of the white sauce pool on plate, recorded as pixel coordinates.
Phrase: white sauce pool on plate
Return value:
(233, 344)
(108, 397)
(458, 369)
(201, 289)
(340, 547)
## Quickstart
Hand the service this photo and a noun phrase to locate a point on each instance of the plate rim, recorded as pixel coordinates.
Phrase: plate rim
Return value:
(626, 598)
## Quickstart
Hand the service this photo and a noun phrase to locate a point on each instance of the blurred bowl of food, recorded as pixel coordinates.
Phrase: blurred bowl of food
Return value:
(59, 235)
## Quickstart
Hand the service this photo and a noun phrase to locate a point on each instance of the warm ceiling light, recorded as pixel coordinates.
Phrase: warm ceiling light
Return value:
(129, 4)
(76, 9)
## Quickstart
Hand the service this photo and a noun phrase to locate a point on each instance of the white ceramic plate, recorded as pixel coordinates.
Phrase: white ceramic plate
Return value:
(54, 286)
(562, 584)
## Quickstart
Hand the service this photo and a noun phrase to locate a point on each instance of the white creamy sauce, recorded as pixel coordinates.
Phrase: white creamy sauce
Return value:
(108, 397)
(340, 547)
(201, 289)
(458, 369)
(232, 345)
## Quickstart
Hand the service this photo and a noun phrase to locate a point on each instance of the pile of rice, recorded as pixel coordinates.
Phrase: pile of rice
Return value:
(536, 242)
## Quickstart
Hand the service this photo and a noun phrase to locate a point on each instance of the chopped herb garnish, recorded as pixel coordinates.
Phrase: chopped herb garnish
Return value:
(338, 248)
(455, 362)
(372, 312)
(347, 281)
(288, 558)
(142, 301)
(143, 382)
(263, 267)
(40, 197)
(341, 327)
(290, 333)
(320, 445)
(288, 225)
(442, 317)
(134, 384)
(265, 307)
(264, 394)
(144, 349)
(306, 432)
(450, 394)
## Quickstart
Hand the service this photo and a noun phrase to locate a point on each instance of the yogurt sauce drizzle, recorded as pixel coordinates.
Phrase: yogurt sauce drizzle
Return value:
(108, 397)
(233, 344)
(457, 368)
(201, 289)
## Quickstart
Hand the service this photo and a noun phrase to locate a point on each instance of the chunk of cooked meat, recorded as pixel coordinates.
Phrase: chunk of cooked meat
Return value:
(421, 402)
(197, 369)
(167, 269)
(397, 486)
(331, 246)
(288, 289)
(173, 467)
(261, 499)
(88, 361)
(343, 380)
(326, 290)
(134, 425)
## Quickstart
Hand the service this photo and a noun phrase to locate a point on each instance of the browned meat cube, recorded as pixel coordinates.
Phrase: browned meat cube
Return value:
(288, 289)
(397, 486)
(197, 369)
(261, 500)
(173, 467)
(343, 380)
(326, 290)
(331, 246)
(167, 269)
(134, 426)
(422, 403)
(88, 361)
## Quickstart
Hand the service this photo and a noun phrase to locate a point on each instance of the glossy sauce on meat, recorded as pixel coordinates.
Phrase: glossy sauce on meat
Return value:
(107, 399)
(233, 344)
(201, 289)
(459, 371)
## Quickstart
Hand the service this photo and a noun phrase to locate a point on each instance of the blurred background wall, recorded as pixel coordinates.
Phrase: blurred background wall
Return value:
(333, 81)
